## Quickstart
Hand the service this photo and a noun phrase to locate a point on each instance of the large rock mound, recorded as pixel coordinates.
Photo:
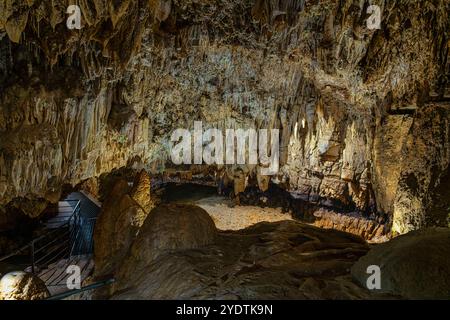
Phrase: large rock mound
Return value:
(414, 266)
(168, 229)
(173, 227)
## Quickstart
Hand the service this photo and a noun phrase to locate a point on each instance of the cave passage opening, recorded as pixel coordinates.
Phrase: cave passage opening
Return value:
(223, 209)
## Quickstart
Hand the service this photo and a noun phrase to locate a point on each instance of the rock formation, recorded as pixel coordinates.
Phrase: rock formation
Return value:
(281, 260)
(141, 192)
(22, 286)
(414, 266)
(363, 114)
(170, 228)
(119, 221)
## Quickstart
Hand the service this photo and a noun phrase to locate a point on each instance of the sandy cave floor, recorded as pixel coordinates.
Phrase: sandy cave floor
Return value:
(228, 217)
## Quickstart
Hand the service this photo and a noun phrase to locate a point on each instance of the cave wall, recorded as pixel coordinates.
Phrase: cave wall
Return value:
(363, 113)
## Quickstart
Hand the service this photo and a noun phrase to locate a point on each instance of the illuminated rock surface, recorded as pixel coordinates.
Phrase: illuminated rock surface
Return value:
(363, 114)
(415, 265)
(179, 254)
(22, 286)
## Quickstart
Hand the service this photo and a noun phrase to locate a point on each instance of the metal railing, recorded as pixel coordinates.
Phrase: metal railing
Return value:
(53, 245)
(83, 230)
(70, 293)
(70, 238)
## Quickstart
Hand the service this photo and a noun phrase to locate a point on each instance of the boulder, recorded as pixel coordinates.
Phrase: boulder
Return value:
(168, 229)
(173, 227)
(414, 266)
(19, 285)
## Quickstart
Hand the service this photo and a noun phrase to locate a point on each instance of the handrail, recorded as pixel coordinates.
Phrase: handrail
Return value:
(51, 251)
(80, 235)
(52, 242)
(32, 244)
(64, 206)
(76, 234)
(70, 293)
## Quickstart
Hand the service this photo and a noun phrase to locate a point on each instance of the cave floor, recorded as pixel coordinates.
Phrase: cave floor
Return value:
(227, 216)
(224, 211)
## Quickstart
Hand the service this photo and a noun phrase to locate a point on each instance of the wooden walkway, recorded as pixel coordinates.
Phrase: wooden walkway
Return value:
(60, 214)
(56, 275)
(65, 240)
